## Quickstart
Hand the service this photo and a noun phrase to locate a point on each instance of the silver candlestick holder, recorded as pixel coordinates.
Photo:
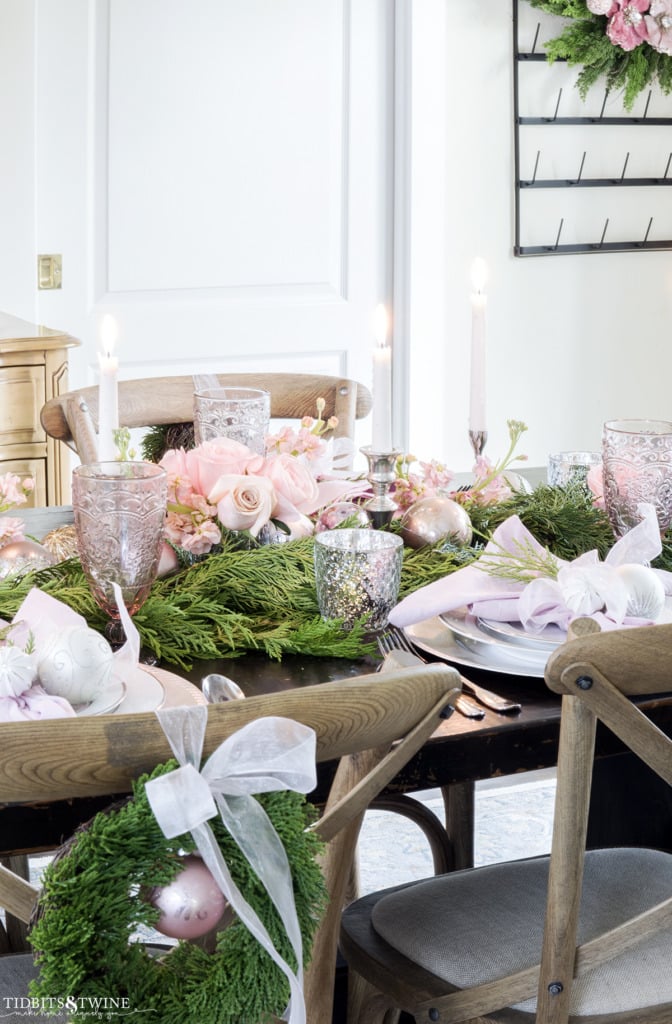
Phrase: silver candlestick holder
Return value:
(381, 475)
(478, 439)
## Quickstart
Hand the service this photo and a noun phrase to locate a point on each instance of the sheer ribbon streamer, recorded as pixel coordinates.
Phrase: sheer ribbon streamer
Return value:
(265, 755)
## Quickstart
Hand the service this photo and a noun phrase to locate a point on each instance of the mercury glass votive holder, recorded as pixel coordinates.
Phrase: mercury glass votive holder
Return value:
(637, 469)
(357, 573)
(240, 413)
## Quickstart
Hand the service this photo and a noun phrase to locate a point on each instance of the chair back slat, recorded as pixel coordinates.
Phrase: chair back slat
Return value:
(98, 755)
(71, 417)
(636, 661)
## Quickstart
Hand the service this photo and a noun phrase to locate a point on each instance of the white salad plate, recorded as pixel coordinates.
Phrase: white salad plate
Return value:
(547, 639)
(436, 637)
(144, 689)
(106, 702)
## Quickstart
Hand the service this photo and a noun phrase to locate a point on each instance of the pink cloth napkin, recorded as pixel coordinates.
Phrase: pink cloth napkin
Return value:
(544, 600)
(34, 703)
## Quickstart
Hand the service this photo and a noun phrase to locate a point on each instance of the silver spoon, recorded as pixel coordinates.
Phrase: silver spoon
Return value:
(218, 689)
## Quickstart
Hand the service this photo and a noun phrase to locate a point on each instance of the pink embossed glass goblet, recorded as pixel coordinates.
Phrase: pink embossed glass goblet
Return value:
(637, 468)
(120, 511)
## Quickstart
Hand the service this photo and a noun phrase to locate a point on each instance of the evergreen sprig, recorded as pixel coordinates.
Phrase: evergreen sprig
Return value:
(584, 42)
(263, 598)
(95, 895)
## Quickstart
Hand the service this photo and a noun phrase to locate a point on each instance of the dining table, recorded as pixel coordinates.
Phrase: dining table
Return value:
(461, 752)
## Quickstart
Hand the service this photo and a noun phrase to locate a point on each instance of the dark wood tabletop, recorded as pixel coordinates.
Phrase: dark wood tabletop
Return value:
(460, 753)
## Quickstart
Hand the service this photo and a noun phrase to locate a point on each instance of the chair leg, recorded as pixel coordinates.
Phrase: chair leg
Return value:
(366, 1005)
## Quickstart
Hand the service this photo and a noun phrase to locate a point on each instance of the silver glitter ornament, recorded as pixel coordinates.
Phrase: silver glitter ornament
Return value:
(430, 520)
(22, 556)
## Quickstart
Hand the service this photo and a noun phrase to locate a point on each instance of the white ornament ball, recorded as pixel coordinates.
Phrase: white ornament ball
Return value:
(75, 663)
(646, 593)
(430, 520)
(17, 671)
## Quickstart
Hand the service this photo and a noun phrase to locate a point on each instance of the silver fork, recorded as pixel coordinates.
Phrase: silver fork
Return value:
(486, 697)
(388, 646)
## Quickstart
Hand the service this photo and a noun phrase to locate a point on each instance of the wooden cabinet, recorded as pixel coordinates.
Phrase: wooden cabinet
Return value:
(33, 368)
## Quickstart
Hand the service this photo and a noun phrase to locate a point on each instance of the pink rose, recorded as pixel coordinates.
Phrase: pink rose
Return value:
(595, 484)
(294, 482)
(627, 27)
(659, 25)
(212, 459)
(175, 462)
(243, 502)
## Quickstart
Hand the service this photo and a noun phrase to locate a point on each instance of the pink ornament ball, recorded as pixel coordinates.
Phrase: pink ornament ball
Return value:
(192, 904)
(334, 515)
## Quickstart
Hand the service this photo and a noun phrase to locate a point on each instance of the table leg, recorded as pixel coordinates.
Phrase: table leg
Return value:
(458, 802)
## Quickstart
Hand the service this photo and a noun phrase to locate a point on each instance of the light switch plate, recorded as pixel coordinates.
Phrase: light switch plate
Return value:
(49, 271)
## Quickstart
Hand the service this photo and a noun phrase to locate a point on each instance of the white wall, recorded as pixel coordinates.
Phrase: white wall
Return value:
(17, 159)
(573, 339)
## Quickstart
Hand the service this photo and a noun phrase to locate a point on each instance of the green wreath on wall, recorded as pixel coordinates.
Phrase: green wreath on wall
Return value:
(628, 43)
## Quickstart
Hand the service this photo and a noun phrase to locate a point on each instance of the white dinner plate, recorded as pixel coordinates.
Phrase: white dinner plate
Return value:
(435, 637)
(106, 702)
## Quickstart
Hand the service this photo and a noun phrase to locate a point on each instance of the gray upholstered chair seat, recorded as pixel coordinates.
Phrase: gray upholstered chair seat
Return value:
(476, 926)
(16, 972)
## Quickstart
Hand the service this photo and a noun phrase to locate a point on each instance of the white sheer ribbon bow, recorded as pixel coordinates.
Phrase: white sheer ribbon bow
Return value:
(267, 754)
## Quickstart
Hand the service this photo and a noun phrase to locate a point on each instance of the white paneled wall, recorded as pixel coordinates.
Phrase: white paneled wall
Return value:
(224, 178)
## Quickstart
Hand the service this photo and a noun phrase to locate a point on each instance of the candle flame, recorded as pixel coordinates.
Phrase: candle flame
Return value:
(381, 325)
(479, 274)
(108, 334)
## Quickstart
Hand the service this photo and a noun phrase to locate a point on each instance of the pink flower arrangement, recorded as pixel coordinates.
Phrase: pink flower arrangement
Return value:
(13, 492)
(221, 484)
(417, 479)
(632, 22)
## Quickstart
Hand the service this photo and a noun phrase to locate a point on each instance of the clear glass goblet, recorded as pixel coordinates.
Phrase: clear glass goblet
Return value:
(239, 413)
(120, 511)
(637, 468)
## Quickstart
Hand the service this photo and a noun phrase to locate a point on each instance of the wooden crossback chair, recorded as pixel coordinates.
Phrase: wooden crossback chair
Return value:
(72, 417)
(473, 946)
(358, 721)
